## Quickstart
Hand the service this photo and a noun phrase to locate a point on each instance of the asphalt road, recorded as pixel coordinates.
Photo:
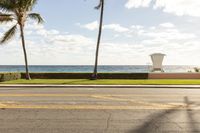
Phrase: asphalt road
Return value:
(99, 110)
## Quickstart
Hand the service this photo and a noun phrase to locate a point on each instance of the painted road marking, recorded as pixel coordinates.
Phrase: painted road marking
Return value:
(89, 95)
(115, 97)
(142, 105)
(99, 96)
(82, 107)
(2, 105)
(141, 102)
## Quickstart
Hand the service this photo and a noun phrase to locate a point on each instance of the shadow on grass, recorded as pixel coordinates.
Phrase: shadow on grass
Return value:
(155, 122)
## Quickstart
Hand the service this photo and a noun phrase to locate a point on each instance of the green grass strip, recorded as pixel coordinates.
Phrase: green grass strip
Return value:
(103, 82)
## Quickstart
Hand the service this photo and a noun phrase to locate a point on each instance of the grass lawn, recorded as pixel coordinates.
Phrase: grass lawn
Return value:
(104, 82)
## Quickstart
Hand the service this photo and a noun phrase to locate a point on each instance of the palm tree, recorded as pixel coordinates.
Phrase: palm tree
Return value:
(18, 11)
(101, 7)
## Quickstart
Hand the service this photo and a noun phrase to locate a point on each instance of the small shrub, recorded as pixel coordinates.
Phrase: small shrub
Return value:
(9, 76)
(196, 69)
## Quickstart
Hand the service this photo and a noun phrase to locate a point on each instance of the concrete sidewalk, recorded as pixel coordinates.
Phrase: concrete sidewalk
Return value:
(100, 86)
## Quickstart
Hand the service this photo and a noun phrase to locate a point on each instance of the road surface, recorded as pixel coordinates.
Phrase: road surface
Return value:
(99, 110)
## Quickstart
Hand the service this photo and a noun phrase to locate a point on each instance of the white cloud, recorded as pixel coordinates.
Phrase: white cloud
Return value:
(137, 27)
(162, 33)
(70, 39)
(177, 7)
(137, 3)
(48, 46)
(179, 45)
(126, 47)
(167, 25)
(116, 27)
(169, 34)
(113, 27)
(91, 26)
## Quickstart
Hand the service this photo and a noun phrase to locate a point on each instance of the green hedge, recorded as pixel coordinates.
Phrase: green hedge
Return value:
(87, 75)
(9, 76)
(123, 75)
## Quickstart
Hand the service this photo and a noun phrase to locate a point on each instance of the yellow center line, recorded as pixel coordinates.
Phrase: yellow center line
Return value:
(81, 107)
(2, 105)
(89, 95)
(142, 102)
(115, 97)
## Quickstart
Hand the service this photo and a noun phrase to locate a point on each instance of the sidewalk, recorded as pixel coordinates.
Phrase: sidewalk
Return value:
(101, 86)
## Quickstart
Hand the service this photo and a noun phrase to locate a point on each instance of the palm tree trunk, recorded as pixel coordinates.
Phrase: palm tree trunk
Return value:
(94, 75)
(24, 50)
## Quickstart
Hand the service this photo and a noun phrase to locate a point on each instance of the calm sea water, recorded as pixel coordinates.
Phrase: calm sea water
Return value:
(110, 68)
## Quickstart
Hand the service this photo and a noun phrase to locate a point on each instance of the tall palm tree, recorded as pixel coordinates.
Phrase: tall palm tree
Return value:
(18, 11)
(101, 8)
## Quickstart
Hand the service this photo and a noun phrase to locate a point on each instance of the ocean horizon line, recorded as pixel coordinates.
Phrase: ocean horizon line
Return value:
(89, 68)
(100, 65)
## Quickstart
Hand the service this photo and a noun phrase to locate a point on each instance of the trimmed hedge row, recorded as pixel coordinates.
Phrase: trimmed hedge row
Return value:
(86, 75)
(9, 76)
(123, 75)
(15, 76)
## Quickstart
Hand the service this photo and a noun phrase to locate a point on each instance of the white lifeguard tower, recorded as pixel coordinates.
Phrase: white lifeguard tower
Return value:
(157, 60)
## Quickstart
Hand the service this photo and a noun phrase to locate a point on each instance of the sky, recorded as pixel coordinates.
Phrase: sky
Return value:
(132, 30)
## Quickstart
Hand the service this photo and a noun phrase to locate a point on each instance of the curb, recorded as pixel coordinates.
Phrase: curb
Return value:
(102, 86)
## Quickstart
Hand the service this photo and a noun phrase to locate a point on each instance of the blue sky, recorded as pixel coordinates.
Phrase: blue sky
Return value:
(133, 29)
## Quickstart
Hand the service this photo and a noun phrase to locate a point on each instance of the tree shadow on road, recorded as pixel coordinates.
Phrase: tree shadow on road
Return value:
(156, 121)
(190, 116)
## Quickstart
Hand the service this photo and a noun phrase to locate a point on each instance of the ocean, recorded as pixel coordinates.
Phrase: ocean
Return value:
(88, 68)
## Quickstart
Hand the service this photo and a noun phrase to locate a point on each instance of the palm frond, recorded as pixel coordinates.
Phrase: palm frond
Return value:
(36, 16)
(7, 5)
(4, 18)
(9, 34)
(99, 5)
(27, 5)
(32, 3)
